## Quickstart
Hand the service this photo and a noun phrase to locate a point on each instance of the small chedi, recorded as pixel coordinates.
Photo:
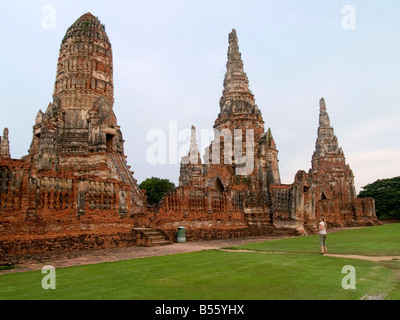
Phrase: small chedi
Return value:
(74, 190)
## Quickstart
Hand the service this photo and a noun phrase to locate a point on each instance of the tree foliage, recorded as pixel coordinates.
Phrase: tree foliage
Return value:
(156, 189)
(386, 193)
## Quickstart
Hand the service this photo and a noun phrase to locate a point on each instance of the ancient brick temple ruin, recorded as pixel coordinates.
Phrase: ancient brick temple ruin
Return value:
(74, 190)
(238, 191)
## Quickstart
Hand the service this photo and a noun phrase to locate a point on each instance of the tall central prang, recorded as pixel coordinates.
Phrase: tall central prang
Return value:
(237, 104)
(240, 140)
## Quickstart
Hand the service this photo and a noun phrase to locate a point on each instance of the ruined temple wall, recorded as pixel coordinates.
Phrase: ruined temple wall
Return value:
(48, 212)
(201, 225)
(49, 202)
(11, 248)
(13, 185)
(331, 197)
(205, 213)
(191, 204)
(194, 199)
(286, 216)
(365, 212)
(208, 232)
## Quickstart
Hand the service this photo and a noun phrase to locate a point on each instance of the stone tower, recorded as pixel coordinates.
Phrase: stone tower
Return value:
(238, 184)
(241, 163)
(78, 133)
(191, 167)
(240, 137)
(238, 109)
(84, 68)
(328, 188)
(329, 168)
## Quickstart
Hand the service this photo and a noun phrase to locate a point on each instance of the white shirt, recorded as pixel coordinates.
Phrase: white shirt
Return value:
(322, 228)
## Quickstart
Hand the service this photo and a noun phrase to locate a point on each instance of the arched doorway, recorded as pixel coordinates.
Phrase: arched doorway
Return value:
(218, 186)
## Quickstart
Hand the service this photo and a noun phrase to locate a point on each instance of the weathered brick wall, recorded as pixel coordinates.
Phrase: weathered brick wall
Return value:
(59, 206)
(192, 199)
(11, 248)
(365, 209)
(207, 232)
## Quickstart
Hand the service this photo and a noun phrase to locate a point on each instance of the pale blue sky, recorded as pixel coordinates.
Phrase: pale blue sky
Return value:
(169, 64)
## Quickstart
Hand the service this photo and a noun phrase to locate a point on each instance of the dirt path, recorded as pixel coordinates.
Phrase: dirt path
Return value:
(348, 256)
(369, 258)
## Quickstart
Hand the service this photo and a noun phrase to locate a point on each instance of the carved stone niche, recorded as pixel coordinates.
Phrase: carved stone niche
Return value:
(83, 188)
(122, 203)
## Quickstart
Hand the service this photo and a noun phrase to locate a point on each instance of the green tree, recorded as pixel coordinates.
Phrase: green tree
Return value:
(386, 193)
(156, 188)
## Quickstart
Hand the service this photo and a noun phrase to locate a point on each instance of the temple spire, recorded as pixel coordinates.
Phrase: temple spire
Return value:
(327, 142)
(270, 139)
(5, 145)
(235, 62)
(194, 154)
(236, 83)
(324, 121)
(85, 66)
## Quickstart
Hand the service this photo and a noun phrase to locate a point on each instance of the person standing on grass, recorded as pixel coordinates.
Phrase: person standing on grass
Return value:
(322, 235)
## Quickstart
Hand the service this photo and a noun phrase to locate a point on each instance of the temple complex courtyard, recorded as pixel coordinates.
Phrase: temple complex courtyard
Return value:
(258, 268)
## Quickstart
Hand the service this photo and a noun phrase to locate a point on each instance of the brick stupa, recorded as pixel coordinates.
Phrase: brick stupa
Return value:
(75, 179)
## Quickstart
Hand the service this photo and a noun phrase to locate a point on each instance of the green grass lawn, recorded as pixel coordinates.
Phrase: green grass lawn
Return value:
(371, 241)
(299, 273)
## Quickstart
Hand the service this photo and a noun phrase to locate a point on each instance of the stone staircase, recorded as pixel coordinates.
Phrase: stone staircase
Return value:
(152, 237)
(127, 177)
